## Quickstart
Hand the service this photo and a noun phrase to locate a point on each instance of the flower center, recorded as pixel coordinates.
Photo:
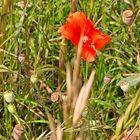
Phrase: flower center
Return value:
(85, 39)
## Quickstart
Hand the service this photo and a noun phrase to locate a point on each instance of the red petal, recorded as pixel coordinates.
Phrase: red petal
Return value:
(98, 39)
(73, 27)
(88, 54)
(102, 41)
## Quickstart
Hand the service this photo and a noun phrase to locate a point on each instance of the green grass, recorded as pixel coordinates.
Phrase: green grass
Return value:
(29, 31)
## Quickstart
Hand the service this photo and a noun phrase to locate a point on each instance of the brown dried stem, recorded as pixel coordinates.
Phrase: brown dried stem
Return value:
(6, 4)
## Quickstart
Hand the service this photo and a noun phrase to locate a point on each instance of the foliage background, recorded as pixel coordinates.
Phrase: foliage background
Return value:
(33, 31)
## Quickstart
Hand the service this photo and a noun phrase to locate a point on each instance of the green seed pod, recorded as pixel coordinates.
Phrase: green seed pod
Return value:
(125, 86)
(34, 78)
(9, 96)
(11, 108)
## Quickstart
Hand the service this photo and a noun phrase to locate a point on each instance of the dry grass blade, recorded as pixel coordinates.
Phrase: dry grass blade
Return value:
(119, 127)
(59, 133)
(52, 126)
(134, 132)
(65, 112)
(75, 85)
(69, 83)
(61, 59)
(82, 99)
(128, 112)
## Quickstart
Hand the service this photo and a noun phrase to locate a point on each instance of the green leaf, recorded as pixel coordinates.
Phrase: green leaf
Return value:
(133, 80)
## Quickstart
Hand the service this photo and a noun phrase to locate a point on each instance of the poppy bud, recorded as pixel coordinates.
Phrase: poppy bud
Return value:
(125, 85)
(119, 104)
(128, 17)
(21, 58)
(107, 79)
(11, 108)
(9, 96)
(34, 78)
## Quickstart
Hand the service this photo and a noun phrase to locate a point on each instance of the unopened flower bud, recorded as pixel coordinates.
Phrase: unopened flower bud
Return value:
(9, 96)
(128, 17)
(125, 86)
(21, 57)
(107, 79)
(119, 104)
(34, 78)
(11, 108)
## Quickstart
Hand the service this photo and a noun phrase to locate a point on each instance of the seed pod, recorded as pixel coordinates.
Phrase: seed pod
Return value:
(11, 108)
(18, 132)
(128, 17)
(107, 79)
(34, 78)
(119, 104)
(9, 96)
(125, 85)
(21, 57)
(56, 97)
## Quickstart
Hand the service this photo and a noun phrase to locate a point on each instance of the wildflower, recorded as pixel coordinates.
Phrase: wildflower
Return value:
(93, 39)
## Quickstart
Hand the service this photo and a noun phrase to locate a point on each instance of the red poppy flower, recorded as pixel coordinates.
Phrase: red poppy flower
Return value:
(93, 39)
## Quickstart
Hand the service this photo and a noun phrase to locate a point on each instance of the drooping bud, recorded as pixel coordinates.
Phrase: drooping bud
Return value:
(34, 78)
(9, 96)
(128, 17)
(11, 108)
(125, 86)
(119, 104)
(21, 57)
(107, 79)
